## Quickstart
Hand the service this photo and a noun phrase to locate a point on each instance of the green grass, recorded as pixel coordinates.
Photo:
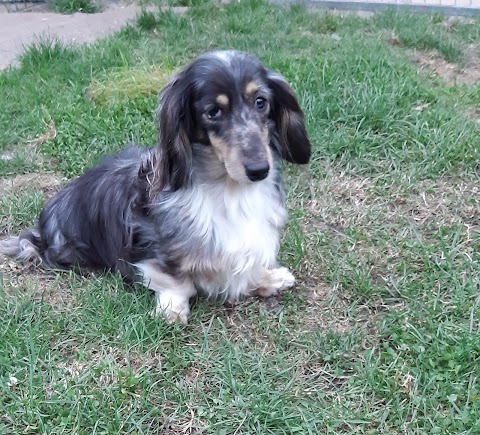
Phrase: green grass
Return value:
(381, 335)
(122, 84)
(412, 32)
(72, 6)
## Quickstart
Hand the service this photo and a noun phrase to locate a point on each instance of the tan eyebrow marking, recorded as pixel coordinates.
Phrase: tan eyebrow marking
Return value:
(222, 99)
(251, 88)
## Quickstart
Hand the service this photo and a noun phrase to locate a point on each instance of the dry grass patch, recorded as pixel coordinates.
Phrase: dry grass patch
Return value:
(108, 361)
(48, 184)
(446, 201)
(340, 201)
(23, 158)
(331, 206)
(451, 73)
(22, 198)
(128, 84)
(329, 310)
(36, 284)
(361, 231)
(473, 113)
(339, 189)
(26, 157)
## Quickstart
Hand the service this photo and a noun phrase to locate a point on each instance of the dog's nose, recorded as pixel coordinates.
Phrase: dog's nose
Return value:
(257, 171)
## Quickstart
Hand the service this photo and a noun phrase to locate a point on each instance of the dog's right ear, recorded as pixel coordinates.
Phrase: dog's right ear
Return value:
(172, 160)
(288, 116)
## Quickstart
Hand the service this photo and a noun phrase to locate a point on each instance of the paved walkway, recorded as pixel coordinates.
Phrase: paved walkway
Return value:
(22, 28)
(448, 7)
(439, 3)
(18, 29)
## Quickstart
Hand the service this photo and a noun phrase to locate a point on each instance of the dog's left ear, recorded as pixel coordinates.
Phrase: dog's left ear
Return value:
(289, 119)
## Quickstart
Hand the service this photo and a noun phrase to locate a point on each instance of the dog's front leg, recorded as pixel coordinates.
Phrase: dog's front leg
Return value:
(172, 294)
(273, 281)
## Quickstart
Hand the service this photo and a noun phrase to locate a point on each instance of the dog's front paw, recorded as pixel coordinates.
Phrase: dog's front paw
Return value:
(179, 314)
(174, 317)
(274, 281)
(170, 316)
(284, 278)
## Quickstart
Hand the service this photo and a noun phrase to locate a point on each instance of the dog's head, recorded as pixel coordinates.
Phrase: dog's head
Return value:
(230, 101)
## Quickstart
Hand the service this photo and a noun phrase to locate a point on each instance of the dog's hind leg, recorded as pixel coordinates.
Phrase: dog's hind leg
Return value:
(172, 294)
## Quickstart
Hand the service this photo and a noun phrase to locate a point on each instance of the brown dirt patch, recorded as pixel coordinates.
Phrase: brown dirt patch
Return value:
(450, 73)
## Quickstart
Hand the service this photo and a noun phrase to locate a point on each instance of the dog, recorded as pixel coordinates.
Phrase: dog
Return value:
(204, 209)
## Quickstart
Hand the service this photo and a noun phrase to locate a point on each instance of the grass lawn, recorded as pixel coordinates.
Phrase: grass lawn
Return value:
(381, 334)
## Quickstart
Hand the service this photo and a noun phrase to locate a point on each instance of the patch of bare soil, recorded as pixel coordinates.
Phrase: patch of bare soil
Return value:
(450, 73)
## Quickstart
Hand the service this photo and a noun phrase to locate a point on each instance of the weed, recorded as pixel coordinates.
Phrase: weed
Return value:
(72, 6)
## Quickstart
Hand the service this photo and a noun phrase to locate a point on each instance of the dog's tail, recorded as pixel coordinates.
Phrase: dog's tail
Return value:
(25, 247)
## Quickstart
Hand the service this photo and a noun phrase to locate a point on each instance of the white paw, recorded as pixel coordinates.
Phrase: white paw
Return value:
(285, 277)
(174, 317)
(275, 281)
(170, 315)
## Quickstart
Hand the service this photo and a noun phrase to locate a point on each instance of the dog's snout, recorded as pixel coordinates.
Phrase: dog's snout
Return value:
(257, 171)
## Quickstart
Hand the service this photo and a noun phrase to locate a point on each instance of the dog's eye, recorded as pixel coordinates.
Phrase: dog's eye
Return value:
(214, 113)
(260, 103)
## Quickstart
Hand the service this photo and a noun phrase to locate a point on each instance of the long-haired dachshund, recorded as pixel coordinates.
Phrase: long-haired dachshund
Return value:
(204, 209)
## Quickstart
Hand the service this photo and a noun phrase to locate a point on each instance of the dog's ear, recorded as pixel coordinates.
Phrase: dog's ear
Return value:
(172, 160)
(293, 138)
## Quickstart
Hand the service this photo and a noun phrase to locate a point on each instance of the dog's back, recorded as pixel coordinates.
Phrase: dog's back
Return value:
(85, 225)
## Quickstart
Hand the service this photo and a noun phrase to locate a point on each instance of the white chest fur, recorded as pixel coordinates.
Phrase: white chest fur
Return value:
(239, 226)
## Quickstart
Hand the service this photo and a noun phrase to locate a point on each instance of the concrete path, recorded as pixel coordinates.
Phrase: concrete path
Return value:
(18, 29)
(22, 28)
